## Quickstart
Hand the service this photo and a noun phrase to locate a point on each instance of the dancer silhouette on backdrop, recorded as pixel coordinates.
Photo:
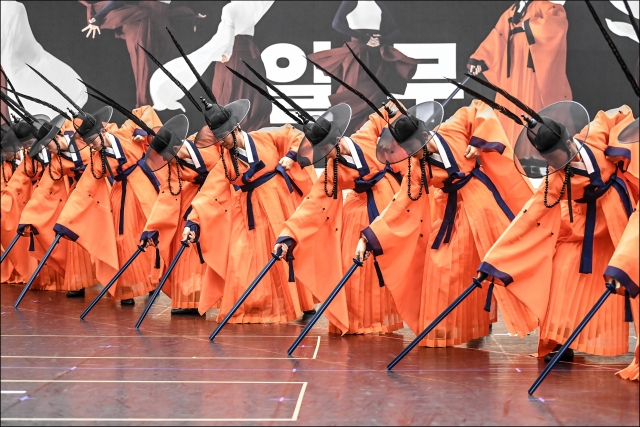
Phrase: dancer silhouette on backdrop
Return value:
(372, 31)
(143, 23)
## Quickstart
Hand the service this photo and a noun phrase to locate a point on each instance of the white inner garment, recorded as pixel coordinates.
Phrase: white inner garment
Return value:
(367, 15)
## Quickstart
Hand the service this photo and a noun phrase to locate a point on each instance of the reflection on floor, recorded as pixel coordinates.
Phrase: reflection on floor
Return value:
(57, 369)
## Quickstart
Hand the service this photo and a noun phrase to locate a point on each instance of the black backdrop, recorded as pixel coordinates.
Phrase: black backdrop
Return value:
(595, 77)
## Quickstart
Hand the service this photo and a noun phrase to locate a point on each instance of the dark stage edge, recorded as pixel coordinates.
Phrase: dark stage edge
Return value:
(58, 370)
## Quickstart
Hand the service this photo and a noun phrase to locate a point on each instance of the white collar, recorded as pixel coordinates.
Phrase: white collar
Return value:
(114, 149)
(194, 159)
(244, 151)
(586, 160)
(442, 153)
(354, 159)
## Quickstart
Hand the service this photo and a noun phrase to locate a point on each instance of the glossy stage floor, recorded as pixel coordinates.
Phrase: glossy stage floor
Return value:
(58, 370)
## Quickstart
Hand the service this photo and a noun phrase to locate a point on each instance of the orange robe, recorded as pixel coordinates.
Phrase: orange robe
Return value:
(623, 267)
(528, 60)
(43, 209)
(9, 273)
(624, 264)
(547, 263)
(15, 195)
(238, 229)
(472, 213)
(166, 223)
(324, 225)
(106, 221)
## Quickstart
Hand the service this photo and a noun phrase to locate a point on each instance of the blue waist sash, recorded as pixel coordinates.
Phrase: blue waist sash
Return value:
(366, 186)
(592, 193)
(451, 188)
(250, 186)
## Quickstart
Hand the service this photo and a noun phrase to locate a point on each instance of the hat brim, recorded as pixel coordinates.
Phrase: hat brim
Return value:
(178, 126)
(102, 116)
(238, 111)
(339, 116)
(429, 115)
(630, 134)
(37, 146)
(534, 164)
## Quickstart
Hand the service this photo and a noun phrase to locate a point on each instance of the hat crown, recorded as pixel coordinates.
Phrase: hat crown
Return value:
(548, 136)
(219, 117)
(318, 131)
(42, 131)
(161, 140)
(403, 128)
(22, 129)
(88, 122)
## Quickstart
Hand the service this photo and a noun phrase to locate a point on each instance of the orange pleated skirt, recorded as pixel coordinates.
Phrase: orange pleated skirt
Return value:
(371, 307)
(572, 294)
(141, 277)
(275, 299)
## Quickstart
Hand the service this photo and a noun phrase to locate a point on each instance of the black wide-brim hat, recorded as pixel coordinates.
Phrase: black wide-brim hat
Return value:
(26, 132)
(427, 117)
(52, 128)
(337, 118)
(572, 118)
(9, 145)
(92, 125)
(167, 142)
(630, 134)
(223, 120)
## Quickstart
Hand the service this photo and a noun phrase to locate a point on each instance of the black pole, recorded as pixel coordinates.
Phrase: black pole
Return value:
(274, 257)
(356, 263)
(112, 281)
(454, 92)
(611, 289)
(184, 245)
(477, 283)
(11, 245)
(35, 273)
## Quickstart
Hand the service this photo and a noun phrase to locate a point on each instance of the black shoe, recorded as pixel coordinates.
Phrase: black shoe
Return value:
(309, 312)
(185, 311)
(76, 294)
(129, 301)
(567, 356)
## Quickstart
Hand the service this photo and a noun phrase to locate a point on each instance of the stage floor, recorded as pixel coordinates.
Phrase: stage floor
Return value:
(59, 370)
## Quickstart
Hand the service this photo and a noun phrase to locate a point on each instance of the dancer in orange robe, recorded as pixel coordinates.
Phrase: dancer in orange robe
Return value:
(9, 165)
(166, 222)
(15, 195)
(623, 267)
(526, 54)
(239, 228)
(560, 278)
(65, 165)
(322, 221)
(121, 210)
(475, 189)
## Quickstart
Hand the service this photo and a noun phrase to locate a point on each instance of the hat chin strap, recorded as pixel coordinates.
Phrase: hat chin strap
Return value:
(566, 185)
(234, 158)
(334, 190)
(179, 179)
